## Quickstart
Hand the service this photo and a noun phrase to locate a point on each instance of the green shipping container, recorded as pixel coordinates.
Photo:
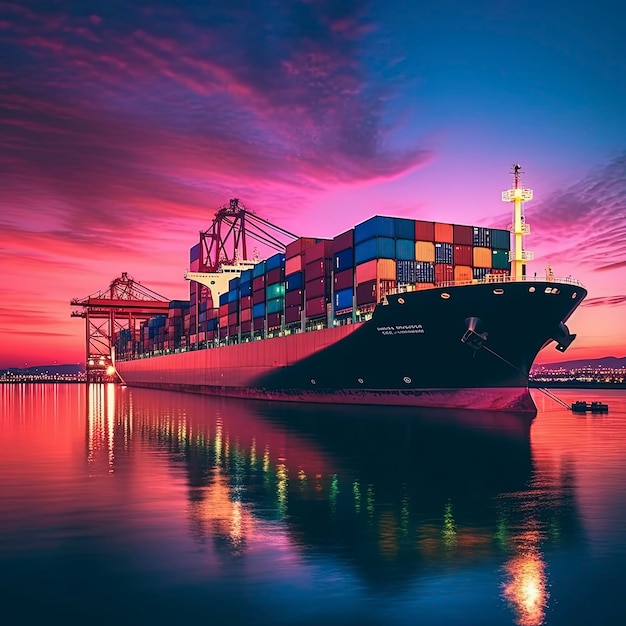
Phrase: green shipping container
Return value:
(500, 260)
(277, 290)
(275, 305)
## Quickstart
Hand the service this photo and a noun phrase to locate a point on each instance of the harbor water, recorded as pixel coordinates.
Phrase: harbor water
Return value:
(121, 505)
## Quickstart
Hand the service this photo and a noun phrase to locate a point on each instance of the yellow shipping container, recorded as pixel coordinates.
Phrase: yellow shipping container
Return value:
(482, 257)
(463, 273)
(425, 251)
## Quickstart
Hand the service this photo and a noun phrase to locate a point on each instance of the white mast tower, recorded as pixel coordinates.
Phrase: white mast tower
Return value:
(518, 256)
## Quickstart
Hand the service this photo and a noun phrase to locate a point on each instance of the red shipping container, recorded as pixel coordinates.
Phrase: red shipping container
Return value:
(463, 235)
(294, 264)
(293, 314)
(313, 270)
(462, 255)
(321, 250)
(424, 231)
(273, 320)
(444, 273)
(233, 318)
(246, 301)
(233, 330)
(344, 280)
(246, 326)
(366, 292)
(443, 232)
(223, 310)
(224, 322)
(258, 283)
(315, 288)
(315, 307)
(246, 314)
(298, 247)
(211, 334)
(233, 307)
(294, 298)
(258, 296)
(343, 241)
(385, 287)
(274, 276)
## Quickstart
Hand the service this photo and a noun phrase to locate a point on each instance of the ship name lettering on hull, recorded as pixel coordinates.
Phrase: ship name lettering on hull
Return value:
(401, 329)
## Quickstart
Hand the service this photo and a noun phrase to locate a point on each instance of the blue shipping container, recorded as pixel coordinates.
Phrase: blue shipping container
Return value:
(344, 260)
(377, 248)
(233, 283)
(343, 299)
(233, 296)
(293, 281)
(259, 269)
(404, 228)
(480, 272)
(405, 249)
(223, 298)
(179, 304)
(415, 272)
(377, 226)
(245, 289)
(443, 253)
(258, 310)
(212, 323)
(246, 276)
(275, 262)
(194, 253)
(482, 237)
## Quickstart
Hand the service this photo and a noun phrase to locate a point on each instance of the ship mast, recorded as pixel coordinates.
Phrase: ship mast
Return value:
(518, 256)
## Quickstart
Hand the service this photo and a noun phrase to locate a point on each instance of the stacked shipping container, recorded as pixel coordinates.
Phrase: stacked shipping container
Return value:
(318, 279)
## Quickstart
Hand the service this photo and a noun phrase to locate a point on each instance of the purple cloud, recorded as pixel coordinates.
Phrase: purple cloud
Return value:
(605, 301)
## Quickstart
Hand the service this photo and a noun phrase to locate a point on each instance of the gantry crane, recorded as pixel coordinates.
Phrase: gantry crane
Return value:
(123, 305)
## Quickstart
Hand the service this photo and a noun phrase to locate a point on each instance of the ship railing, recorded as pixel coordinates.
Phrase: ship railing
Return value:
(492, 279)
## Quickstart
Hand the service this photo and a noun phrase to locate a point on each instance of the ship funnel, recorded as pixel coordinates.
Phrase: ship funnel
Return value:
(472, 337)
(563, 337)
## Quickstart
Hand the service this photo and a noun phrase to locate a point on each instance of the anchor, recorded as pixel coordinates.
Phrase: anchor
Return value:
(563, 337)
(472, 337)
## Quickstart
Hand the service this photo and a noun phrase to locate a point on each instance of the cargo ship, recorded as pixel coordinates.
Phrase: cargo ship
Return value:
(393, 312)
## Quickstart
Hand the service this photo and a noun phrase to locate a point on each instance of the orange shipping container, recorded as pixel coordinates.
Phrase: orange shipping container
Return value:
(463, 273)
(425, 251)
(383, 269)
(444, 233)
(482, 257)
(422, 286)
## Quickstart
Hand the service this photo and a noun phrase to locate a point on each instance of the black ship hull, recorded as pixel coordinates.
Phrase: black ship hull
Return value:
(465, 346)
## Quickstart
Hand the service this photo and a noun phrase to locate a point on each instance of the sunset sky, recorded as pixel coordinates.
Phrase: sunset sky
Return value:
(125, 125)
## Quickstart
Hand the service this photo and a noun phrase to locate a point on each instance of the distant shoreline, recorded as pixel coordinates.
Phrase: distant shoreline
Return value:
(575, 385)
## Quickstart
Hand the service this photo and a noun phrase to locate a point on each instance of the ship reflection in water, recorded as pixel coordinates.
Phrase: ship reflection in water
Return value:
(393, 496)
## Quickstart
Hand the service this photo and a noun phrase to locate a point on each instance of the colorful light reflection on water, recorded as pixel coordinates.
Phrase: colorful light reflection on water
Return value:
(176, 504)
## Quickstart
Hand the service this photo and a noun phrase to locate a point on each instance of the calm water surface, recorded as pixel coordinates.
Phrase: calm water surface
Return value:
(122, 505)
